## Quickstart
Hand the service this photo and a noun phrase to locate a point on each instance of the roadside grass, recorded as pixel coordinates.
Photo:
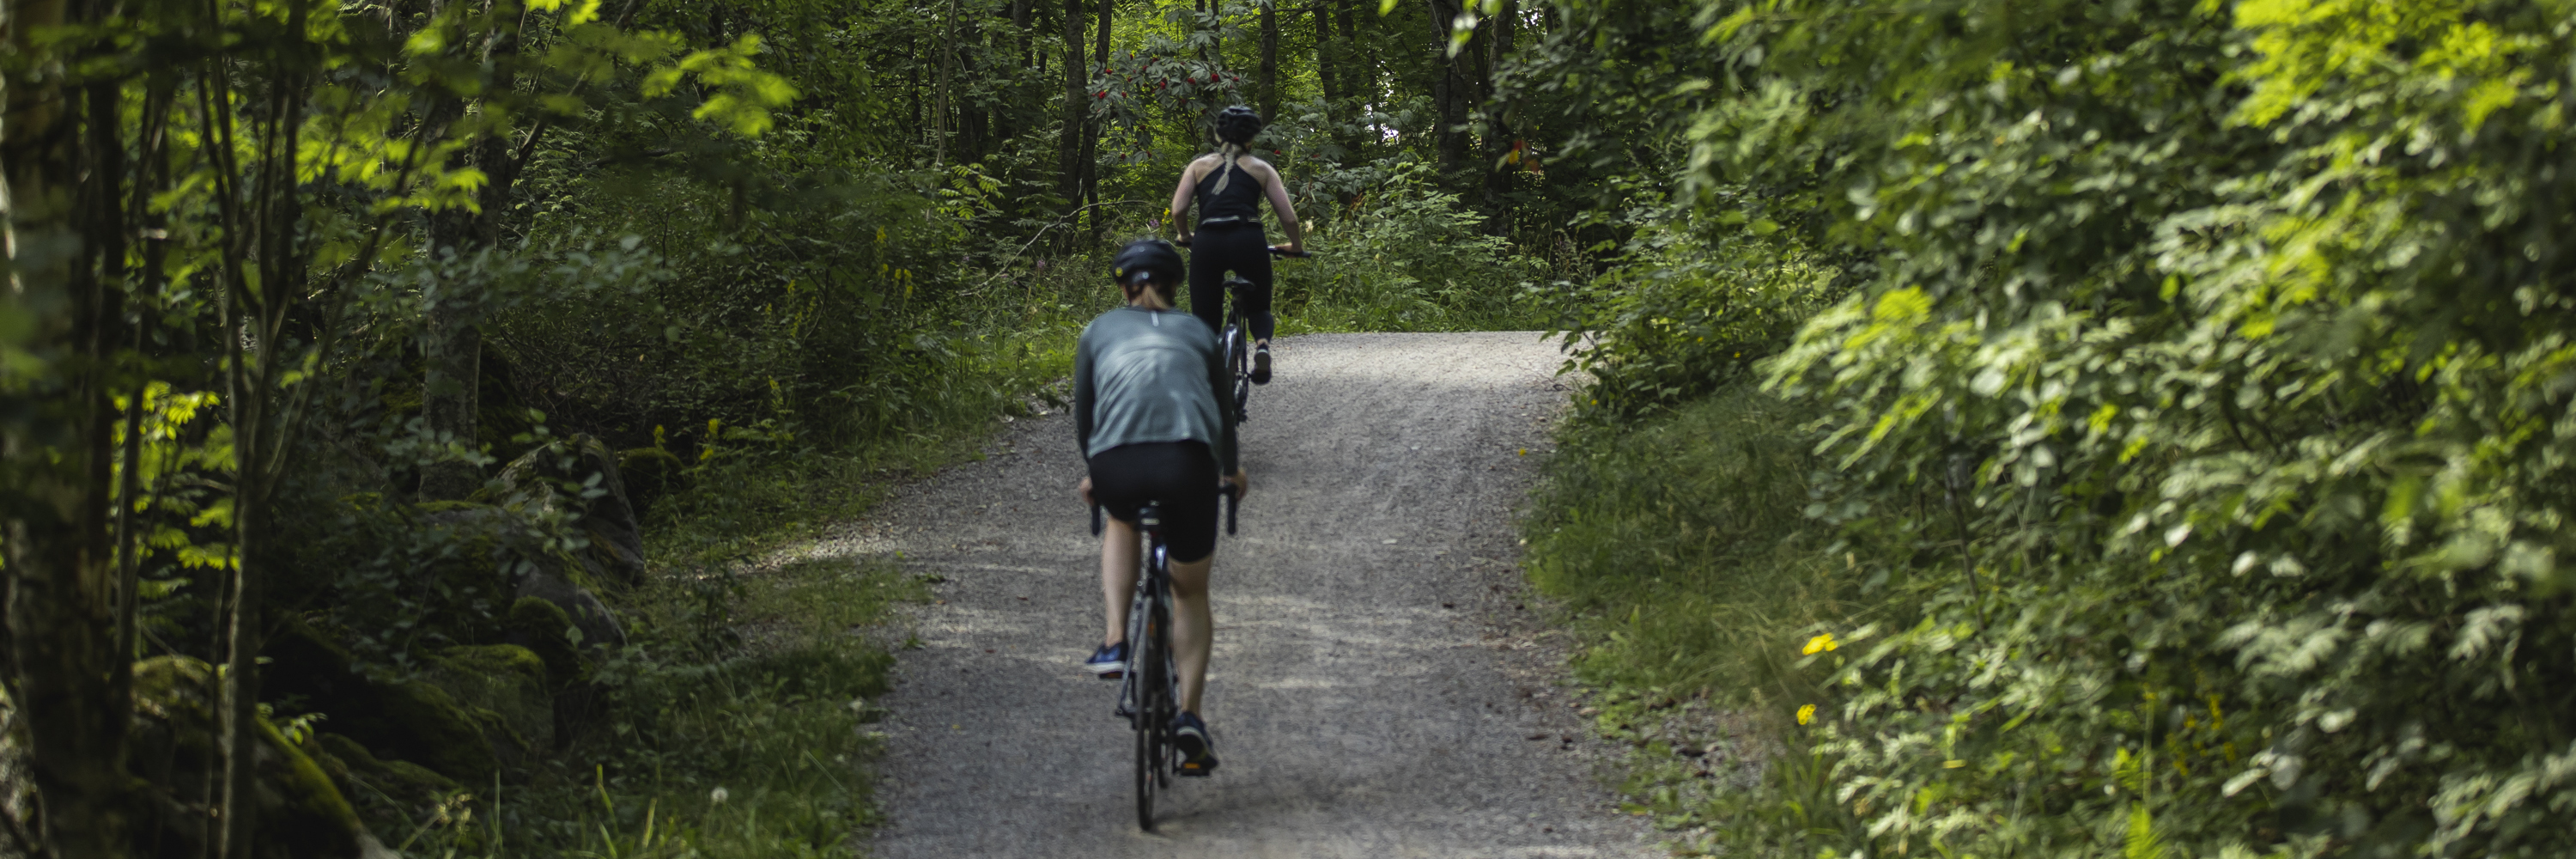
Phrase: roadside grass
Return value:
(1682, 557)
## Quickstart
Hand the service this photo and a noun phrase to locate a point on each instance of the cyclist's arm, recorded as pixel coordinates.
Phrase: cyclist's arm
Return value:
(1278, 191)
(1181, 200)
(1082, 398)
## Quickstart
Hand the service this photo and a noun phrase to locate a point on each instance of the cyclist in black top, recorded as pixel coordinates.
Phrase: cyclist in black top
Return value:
(1228, 184)
(1147, 389)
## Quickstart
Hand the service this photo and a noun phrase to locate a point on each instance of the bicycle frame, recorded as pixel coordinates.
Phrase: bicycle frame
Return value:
(1149, 693)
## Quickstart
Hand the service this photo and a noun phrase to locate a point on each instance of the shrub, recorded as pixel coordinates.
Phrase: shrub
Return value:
(1407, 257)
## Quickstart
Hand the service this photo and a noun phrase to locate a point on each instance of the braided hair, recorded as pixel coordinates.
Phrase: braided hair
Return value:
(1235, 128)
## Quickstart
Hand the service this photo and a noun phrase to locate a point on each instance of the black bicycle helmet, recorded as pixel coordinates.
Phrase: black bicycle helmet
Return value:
(1237, 125)
(1148, 256)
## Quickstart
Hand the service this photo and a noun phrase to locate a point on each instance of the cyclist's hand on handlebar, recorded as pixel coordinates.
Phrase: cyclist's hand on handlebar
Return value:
(1084, 490)
(1240, 484)
(1290, 249)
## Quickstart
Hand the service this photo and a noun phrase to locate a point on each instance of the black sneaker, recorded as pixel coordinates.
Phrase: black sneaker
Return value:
(1261, 366)
(1109, 662)
(1198, 755)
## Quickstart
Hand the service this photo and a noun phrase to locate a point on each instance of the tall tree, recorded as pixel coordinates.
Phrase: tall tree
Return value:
(1269, 81)
(1328, 78)
(53, 443)
(450, 407)
(1071, 148)
(1453, 88)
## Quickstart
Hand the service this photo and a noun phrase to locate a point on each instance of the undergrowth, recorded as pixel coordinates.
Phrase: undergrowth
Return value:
(1679, 550)
(735, 726)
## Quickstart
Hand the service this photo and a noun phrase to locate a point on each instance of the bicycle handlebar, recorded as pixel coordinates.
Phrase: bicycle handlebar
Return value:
(1296, 254)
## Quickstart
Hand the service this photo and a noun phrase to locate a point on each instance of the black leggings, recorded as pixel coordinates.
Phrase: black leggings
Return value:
(1181, 474)
(1244, 248)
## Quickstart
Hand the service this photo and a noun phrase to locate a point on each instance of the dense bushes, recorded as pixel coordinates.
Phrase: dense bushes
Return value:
(1688, 309)
(2202, 414)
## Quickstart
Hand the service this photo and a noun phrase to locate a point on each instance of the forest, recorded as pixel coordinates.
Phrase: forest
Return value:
(2123, 428)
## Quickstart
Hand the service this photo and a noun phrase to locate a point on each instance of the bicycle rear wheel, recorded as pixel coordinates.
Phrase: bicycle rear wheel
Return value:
(1238, 353)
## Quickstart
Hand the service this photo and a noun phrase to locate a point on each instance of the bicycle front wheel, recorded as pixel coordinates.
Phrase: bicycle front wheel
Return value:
(1146, 755)
(1145, 660)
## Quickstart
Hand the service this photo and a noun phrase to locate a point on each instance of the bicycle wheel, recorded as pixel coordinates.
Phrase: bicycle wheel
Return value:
(1146, 782)
(1238, 368)
(1167, 701)
(1151, 691)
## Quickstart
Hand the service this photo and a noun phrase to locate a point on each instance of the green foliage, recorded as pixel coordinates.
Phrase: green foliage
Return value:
(2199, 411)
(1685, 312)
(754, 753)
(1408, 257)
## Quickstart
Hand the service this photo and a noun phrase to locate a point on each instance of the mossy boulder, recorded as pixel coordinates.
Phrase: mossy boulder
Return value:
(650, 474)
(504, 686)
(577, 479)
(415, 721)
(544, 629)
(517, 546)
(411, 788)
(173, 745)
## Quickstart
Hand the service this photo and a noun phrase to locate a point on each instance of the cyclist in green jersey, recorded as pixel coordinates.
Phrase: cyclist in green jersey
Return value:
(1147, 381)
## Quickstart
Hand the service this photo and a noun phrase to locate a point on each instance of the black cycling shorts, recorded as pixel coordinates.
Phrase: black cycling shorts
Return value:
(1243, 249)
(1180, 474)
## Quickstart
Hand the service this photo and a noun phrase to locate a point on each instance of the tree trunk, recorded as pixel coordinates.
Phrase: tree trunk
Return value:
(262, 423)
(1108, 12)
(1450, 88)
(453, 347)
(1077, 108)
(60, 564)
(947, 78)
(1499, 134)
(1328, 77)
(1269, 60)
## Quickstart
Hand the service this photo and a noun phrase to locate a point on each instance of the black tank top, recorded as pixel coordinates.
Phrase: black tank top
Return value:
(1239, 203)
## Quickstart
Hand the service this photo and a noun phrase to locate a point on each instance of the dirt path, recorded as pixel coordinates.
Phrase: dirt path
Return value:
(1377, 690)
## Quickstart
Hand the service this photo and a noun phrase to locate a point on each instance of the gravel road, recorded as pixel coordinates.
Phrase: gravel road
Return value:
(1378, 690)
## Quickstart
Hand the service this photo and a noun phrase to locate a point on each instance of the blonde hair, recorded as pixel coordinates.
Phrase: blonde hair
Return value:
(1226, 154)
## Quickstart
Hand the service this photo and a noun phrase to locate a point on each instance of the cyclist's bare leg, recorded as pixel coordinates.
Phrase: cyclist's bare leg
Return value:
(1119, 551)
(1193, 627)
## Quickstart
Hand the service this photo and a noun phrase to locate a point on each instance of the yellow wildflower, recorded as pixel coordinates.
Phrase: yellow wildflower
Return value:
(1821, 642)
(1806, 714)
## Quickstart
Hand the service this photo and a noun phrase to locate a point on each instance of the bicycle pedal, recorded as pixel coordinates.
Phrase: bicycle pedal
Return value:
(1192, 769)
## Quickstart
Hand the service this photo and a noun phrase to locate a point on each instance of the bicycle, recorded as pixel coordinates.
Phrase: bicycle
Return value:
(1149, 693)
(1237, 347)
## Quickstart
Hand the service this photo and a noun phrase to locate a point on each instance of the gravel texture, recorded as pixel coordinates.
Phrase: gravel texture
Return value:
(1378, 688)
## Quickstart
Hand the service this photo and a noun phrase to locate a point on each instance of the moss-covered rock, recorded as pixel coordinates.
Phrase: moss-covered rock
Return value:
(409, 784)
(650, 473)
(304, 812)
(414, 721)
(577, 478)
(516, 546)
(544, 629)
(505, 686)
